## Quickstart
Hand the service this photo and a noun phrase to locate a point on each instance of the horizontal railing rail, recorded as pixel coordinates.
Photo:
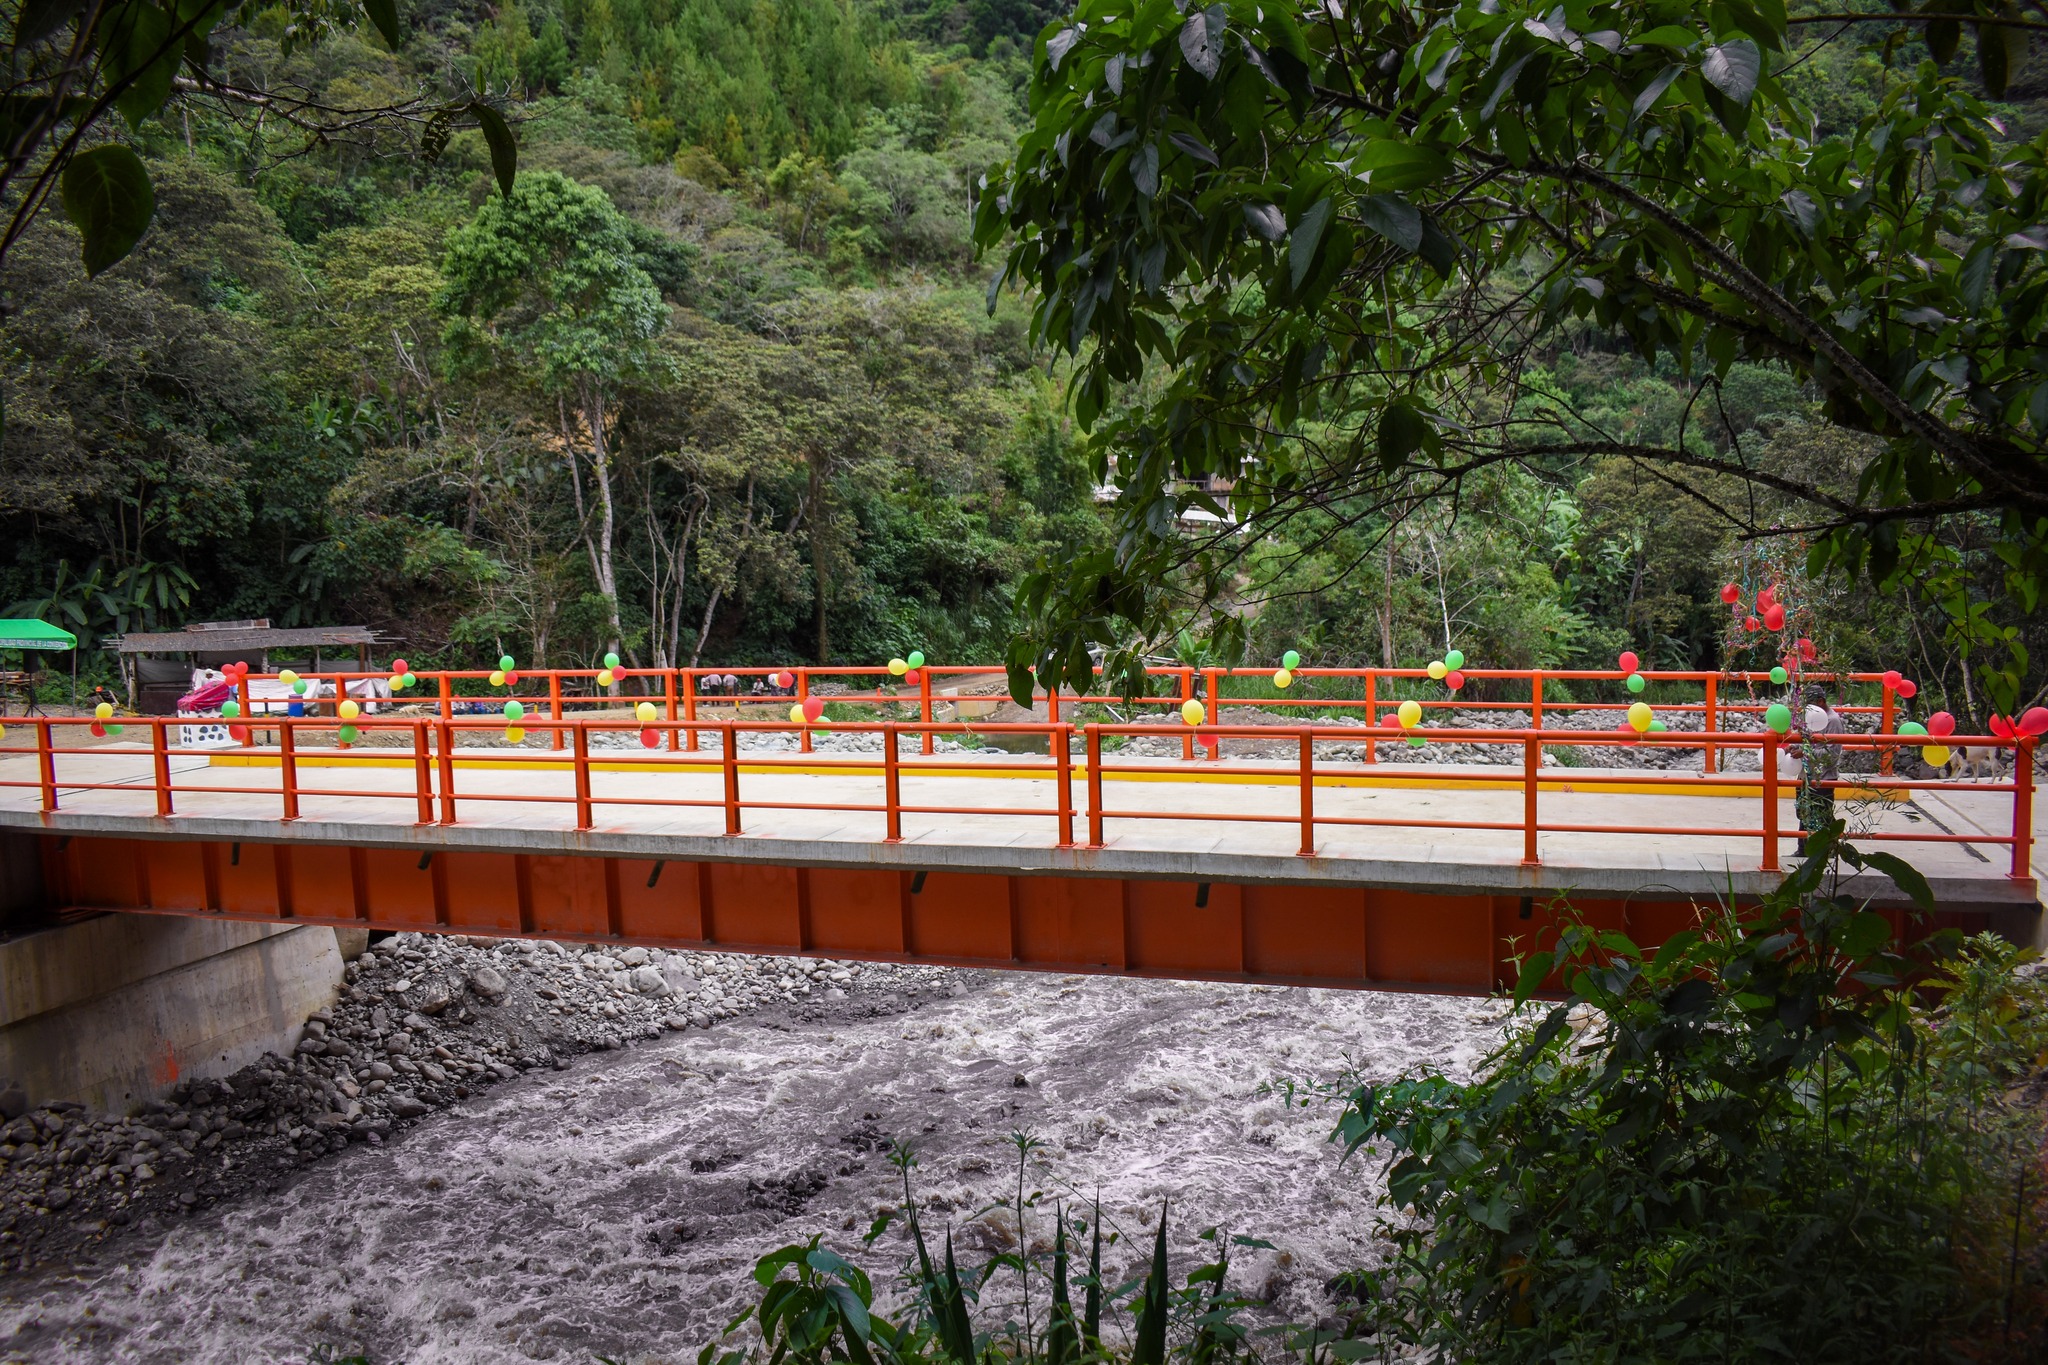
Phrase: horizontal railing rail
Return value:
(431, 749)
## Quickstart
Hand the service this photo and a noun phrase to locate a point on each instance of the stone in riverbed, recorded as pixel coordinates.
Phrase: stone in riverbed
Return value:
(648, 981)
(488, 982)
(406, 1107)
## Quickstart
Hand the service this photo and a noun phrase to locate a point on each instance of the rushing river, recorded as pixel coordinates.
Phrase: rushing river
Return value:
(616, 1208)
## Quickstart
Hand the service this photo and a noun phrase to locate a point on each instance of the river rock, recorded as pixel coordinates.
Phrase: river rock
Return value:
(407, 1107)
(488, 982)
(648, 981)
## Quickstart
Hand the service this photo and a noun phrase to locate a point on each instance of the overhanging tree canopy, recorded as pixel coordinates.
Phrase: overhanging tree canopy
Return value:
(1332, 236)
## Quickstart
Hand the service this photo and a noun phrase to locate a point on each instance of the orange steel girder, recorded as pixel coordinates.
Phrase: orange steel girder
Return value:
(1323, 934)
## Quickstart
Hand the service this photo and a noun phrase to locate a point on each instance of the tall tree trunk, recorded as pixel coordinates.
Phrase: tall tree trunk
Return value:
(601, 552)
(718, 589)
(821, 526)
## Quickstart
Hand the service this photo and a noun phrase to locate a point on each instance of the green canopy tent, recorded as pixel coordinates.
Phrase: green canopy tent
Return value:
(40, 637)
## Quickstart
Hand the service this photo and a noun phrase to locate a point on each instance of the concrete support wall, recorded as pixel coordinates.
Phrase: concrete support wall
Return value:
(116, 1009)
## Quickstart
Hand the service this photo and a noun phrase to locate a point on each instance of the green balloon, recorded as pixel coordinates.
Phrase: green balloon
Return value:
(1657, 727)
(915, 658)
(513, 710)
(1912, 727)
(1416, 741)
(610, 661)
(348, 734)
(1778, 717)
(300, 687)
(231, 708)
(506, 663)
(113, 729)
(1778, 674)
(1291, 660)
(410, 680)
(1637, 682)
(1454, 658)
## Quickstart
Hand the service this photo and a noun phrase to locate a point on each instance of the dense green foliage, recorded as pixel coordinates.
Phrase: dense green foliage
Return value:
(1340, 259)
(1749, 1144)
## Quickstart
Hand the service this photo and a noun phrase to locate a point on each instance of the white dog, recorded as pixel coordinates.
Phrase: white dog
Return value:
(1978, 762)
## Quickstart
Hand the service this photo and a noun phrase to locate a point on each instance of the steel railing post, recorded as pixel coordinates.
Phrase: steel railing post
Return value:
(1536, 700)
(2023, 806)
(555, 707)
(288, 769)
(444, 752)
(1094, 754)
(731, 752)
(1212, 690)
(248, 716)
(924, 705)
(1308, 794)
(447, 697)
(46, 763)
(1372, 716)
(690, 710)
(161, 760)
(803, 694)
(1770, 758)
(1888, 725)
(422, 772)
(892, 791)
(1060, 744)
(581, 736)
(1532, 768)
(1187, 694)
(1711, 723)
(668, 701)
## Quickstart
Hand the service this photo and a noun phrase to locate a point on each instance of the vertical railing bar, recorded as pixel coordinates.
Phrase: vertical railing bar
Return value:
(2023, 806)
(924, 705)
(1710, 762)
(422, 772)
(803, 694)
(161, 761)
(581, 736)
(555, 708)
(288, 769)
(46, 761)
(1532, 768)
(444, 754)
(1372, 719)
(690, 709)
(1187, 694)
(892, 790)
(1094, 754)
(1308, 794)
(1770, 759)
(730, 747)
(1060, 744)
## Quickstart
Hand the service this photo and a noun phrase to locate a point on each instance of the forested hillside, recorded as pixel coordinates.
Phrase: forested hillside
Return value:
(718, 382)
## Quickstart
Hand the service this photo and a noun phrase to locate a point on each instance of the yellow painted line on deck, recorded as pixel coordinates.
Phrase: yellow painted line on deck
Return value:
(1553, 782)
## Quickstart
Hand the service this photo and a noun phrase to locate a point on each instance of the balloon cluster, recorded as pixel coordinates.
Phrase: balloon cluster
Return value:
(1899, 683)
(606, 676)
(238, 674)
(809, 711)
(1445, 670)
(515, 711)
(783, 679)
(1283, 676)
(1768, 614)
(102, 718)
(348, 709)
(1639, 718)
(503, 676)
(1409, 715)
(905, 668)
(2033, 723)
(1193, 712)
(645, 713)
(402, 676)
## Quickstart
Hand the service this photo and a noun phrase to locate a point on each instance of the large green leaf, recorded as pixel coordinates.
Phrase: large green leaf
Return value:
(40, 18)
(384, 14)
(107, 195)
(504, 151)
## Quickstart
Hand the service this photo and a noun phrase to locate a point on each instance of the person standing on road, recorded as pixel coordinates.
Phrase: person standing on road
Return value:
(1820, 761)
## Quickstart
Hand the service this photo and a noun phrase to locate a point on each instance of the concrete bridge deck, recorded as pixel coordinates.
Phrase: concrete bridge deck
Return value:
(633, 845)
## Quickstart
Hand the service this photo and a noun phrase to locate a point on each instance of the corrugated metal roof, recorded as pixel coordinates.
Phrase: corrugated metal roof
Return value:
(229, 641)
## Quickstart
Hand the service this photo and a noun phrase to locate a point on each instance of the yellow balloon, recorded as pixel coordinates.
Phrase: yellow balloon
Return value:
(1191, 711)
(3, 732)
(513, 734)
(1934, 755)
(287, 677)
(898, 667)
(497, 677)
(1408, 713)
(796, 714)
(105, 711)
(1438, 668)
(348, 710)
(604, 678)
(1640, 715)
(645, 710)
(1283, 678)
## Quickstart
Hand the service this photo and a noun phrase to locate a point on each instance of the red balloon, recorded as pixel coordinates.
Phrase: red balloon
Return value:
(814, 707)
(1941, 725)
(238, 733)
(1908, 688)
(1806, 650)
(910, 678)
(99, 731)
(1892, 678)
(1628, 661)
(399, 666)
(511, 679)
(1731, 594)
(1629, 733)
(1751, 623)
(1454, 680)
(650, 739)
(2001, 727)
(2035, 722)
(1774, 617)
(1766, 597)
